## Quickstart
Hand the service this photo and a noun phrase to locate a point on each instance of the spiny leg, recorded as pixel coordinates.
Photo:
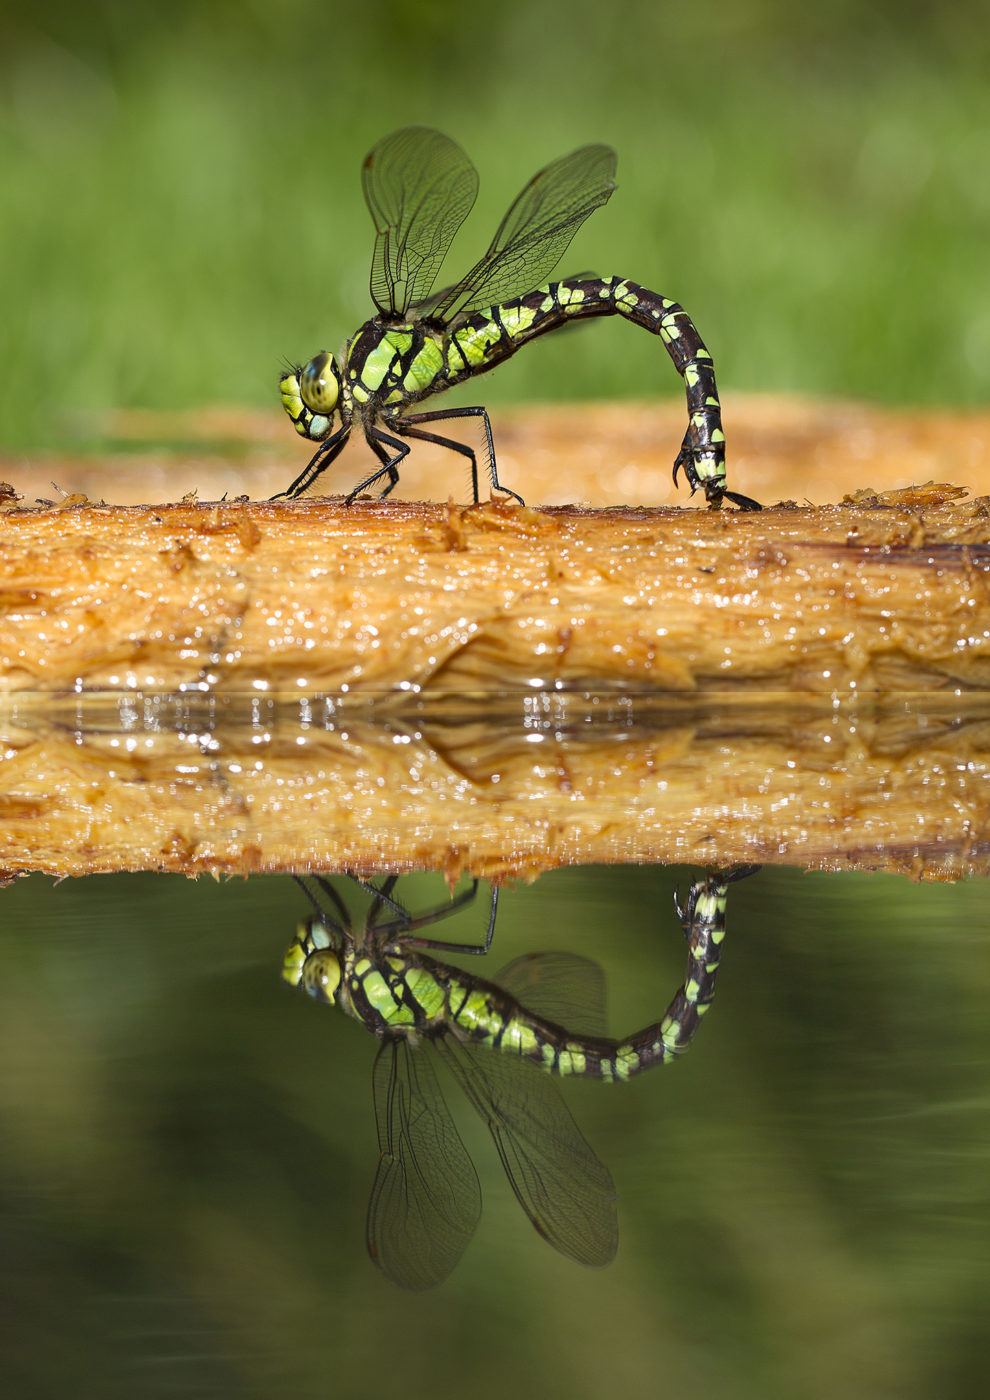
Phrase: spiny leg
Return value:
(380, 442)
(406, 922)
(405, 919)
(326, 453)
(382, 896)
(475, 948)
(465, 451)
(440, 415)
(335, 899)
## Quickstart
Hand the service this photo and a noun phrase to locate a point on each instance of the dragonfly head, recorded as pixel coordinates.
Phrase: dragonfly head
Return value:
(312, 961)
(311, 395)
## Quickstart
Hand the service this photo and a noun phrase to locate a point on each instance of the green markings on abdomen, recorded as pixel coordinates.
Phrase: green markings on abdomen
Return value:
(419, 993)
(482, 1013)
(493, 335)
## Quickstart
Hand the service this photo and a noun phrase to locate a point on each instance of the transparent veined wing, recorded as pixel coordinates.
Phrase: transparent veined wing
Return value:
(419, 186)
(535, 233)
(561, 987)
(562, 1186)
(426, 1201)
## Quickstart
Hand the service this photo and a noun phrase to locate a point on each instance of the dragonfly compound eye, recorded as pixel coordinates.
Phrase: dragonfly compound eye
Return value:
(295, 960)
(319, 384)
(320, 975)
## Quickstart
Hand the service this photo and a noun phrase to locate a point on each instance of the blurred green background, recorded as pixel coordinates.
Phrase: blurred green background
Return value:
(180, 202)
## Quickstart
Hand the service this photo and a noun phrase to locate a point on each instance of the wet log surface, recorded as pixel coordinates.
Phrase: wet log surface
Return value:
(889, 592)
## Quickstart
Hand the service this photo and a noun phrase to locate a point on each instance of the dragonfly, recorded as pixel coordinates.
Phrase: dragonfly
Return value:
(419, 187)
(542, 1015)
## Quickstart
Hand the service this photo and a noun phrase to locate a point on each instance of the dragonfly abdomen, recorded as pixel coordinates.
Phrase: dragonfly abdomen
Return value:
(415, 996)
(484, 1012)
(492, 335)
(558, 1051)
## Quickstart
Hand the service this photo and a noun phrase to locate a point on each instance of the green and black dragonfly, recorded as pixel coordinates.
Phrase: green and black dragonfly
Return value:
(420, 186)
(544, 1012)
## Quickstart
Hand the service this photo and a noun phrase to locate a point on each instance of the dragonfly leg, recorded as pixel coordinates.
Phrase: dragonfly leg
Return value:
(380, 443)
(325, 454)
(382, 896)
(331, 894)
(404, 921)
(474, 948)
(439, 415)
(401, 426)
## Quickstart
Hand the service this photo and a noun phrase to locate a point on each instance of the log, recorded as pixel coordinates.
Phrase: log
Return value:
(878, 594)
(495, 689)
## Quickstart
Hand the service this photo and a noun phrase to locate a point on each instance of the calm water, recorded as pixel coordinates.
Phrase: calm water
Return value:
(187, 1150)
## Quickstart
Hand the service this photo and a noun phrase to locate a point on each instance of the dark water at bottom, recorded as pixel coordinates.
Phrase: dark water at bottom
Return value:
(186, 1151)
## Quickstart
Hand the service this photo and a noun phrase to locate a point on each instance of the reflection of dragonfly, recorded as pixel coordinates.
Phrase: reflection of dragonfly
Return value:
(420, 186)
(426, 1201)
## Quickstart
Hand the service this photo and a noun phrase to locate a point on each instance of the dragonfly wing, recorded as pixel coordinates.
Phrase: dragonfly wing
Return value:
(426, 1200)
(419, 186)
(535, 233)
(560, 987)
(560, 1183)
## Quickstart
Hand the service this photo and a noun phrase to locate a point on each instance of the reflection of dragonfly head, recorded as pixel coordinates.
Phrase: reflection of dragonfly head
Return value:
(313, 960)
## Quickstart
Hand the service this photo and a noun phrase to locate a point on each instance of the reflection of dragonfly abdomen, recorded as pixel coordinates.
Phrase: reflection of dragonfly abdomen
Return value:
(425, 1202)
(419, 186)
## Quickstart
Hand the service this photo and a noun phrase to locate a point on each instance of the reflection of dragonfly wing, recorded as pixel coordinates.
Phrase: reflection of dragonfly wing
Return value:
(561, 987)
(426, 1200)
(565, 1190)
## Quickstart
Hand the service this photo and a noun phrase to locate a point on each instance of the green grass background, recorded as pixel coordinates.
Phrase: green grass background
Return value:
(180, 202)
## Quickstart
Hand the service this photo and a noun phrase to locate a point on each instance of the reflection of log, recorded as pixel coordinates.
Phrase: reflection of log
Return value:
(675, 618)
(238, 784)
